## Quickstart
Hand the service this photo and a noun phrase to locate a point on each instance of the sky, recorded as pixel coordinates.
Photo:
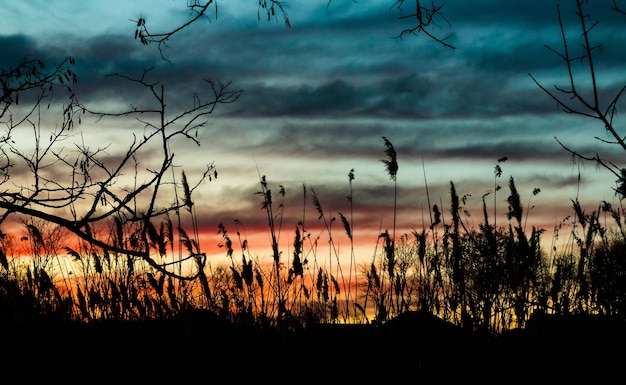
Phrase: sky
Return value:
(319, 96)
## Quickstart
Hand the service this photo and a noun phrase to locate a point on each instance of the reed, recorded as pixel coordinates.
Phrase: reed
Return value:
(490, 277)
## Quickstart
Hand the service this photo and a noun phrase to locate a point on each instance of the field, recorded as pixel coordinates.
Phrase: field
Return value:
(485, 305)
(105, 275)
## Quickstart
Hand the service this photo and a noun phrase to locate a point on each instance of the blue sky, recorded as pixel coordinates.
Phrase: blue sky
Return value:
(318, 97)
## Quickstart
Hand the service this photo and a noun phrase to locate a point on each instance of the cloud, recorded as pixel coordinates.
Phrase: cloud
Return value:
(318, 97)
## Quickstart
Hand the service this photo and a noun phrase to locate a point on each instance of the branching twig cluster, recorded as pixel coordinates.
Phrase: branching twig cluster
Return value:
(573, 100)
(81, 188)
(199, 10)
(425, 20)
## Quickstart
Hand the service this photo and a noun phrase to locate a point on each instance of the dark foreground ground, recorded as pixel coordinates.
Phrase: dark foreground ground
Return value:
(413, 348)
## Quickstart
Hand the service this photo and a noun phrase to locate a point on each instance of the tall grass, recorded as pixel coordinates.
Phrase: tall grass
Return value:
(490, 277)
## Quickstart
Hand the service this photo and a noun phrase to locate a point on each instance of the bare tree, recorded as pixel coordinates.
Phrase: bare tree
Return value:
(574, 98)
(84, 189)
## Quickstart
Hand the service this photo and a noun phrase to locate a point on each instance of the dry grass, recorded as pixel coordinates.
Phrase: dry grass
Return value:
(488, 278)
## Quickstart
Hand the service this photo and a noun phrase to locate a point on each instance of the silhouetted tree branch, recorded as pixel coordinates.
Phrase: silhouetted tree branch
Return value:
(618, 8)
(199, 10)
(425, 18)
(572, 100)
(31, 74)
(31, 82)
(83, 189)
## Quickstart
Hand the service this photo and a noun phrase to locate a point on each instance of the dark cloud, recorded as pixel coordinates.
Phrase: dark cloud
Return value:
(17, 47)
(320, 95)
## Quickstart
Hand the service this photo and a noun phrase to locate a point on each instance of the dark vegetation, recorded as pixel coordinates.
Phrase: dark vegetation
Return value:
(448, 302)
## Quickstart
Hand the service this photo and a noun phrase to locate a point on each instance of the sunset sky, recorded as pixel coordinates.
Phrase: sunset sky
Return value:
(318, 98)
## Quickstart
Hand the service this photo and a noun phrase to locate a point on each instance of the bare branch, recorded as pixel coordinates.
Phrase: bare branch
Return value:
(425, 21)
(198, 10)
(79, 188)
(617, 8)
(572, 100)
(31, 74)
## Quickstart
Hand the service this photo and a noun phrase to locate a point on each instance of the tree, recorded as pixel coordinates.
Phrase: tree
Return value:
(573, 98)
(94, 193)
(600, 252)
